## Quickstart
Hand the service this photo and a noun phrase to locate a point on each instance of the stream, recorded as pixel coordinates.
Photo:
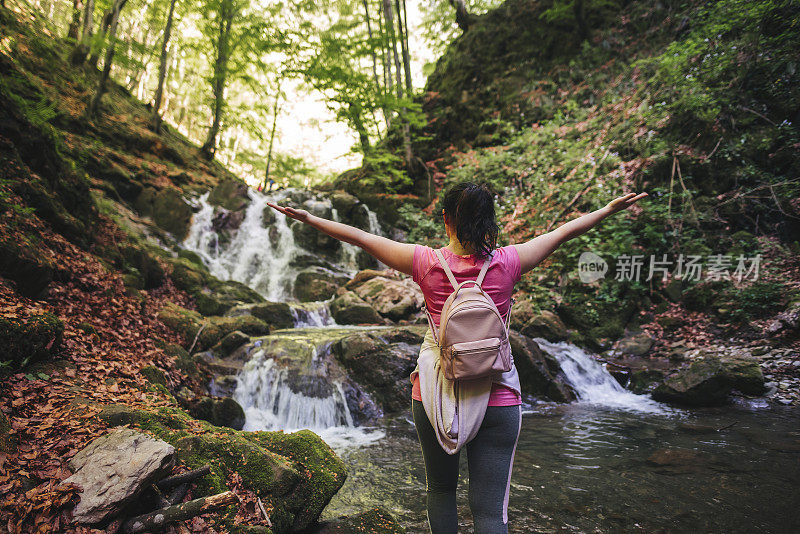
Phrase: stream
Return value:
(612, 461)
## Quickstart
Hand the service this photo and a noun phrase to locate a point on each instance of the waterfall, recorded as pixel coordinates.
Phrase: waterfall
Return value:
(258, 256)
(592, 382)
(296, 396)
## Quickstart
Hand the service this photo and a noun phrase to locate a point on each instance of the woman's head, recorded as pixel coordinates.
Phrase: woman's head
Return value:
(469, 212)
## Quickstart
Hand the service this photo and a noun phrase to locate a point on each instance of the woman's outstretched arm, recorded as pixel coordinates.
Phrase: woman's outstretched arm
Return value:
(533, 252)
(396, 255)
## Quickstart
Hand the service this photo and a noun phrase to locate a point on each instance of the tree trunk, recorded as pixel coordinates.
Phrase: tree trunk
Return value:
(155, 123)
(75, 25)
(358, 122)
(406, 52)
(94, 105)
(387, 9)
(580, 19)
(387, 73)
(108, 17)
(463, 18)
(272, 133)
(378, 88)
(82, 48)
(408, 154)
(403, 45)
(209, 148)
(155, 521)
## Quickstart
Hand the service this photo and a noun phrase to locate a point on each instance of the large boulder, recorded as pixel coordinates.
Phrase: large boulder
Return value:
(381, 362)
(295, 474)
(540, 374)
(547, 325)
(230, 194)
(316, 284)
(276, 314)
(349, 308)
(170, 212)
(213, 296)
(709, 379)
(393, 298)
(114, 469)
(219, 411)
(314, 240)
(635, 343)
(208, 330)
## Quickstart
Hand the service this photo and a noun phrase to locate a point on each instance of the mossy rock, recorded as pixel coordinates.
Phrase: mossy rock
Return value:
(191, 257)
(154, 374)
(276, 314)
(171, 213)
(313, 285)
(138, 260)
(26, 266)
(230, 194)
(706, 296)
(188, 323)
(597, 323)
(349, 308)
(539, 373)
(295, 474)
(547, 325)
(644, 380)
(219, 411)
(33, 338)
(374, 521)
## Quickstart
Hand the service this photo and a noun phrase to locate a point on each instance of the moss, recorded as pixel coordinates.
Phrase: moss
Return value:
(172, 213)
(374, 521)
(214, 328)
(295, 474)
(230, 194)
(30, 339)
(154, 374)
(25, 264)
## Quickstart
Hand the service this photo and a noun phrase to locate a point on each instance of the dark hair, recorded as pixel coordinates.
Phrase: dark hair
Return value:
(469, 206)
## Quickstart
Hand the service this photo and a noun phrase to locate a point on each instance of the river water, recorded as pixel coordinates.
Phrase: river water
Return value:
(610, 462)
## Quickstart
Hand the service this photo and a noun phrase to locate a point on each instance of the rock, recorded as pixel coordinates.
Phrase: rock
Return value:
(29, 339)
(643, 380)
(676, 460)
(154, 375)
(708, 381)
(521, 312)
(219, 411)
(394, 299)
(213, 296)
(114, 469)
(138, 260)
(344, 203)
(230, 194)
(189, 323)
(314, 240)
(786, 321)
(27, 266)
(230, 342)
(276, 314)
(316, 284)
(596, 323)
(376, 520)
(547, 325)
(295, 474)
(636, 344)
(381, 363)
(674, 289)
(171, 213)
(539, 373)
(669, 322)
(349, 308)
(364, 275)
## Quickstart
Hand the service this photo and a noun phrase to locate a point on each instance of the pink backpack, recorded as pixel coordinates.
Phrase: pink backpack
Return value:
(473, 337)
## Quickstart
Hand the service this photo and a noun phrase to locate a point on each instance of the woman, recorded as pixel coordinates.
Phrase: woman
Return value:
(469, 218)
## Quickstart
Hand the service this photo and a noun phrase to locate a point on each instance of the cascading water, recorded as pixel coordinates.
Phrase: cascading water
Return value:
(257, 255)
(276, 396)
(592, 382)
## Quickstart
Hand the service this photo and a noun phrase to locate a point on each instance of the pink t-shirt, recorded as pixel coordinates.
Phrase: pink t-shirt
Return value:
(503, 273)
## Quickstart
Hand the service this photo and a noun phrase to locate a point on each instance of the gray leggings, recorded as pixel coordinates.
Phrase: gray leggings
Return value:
(490, 456)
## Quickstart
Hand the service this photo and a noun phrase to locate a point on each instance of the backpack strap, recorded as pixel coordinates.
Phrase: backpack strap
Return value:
(446, 268)
(485, 268)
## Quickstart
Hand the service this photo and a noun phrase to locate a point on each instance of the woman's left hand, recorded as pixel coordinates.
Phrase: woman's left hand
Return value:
(624, 202)
(300, 215)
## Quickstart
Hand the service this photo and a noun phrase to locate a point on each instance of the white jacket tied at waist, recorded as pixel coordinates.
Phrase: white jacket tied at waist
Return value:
(455, 408)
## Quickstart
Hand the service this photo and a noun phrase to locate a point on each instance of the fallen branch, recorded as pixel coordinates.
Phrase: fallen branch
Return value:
(188, 476)
(727, 426)
(157, 520)
(264, 512)
(197, 336)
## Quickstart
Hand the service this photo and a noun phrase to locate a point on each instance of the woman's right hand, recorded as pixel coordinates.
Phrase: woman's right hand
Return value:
(300, 215)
